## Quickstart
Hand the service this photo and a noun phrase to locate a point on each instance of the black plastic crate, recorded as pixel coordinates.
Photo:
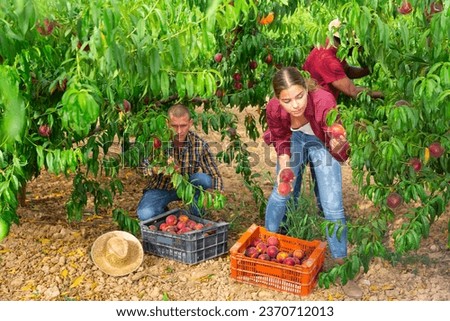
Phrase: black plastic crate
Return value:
(191, 247)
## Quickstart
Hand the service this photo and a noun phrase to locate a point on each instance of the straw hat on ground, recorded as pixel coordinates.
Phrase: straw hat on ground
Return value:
(117, 253)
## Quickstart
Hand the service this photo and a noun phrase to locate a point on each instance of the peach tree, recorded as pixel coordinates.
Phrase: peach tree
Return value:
(78, 76)
(400, 144)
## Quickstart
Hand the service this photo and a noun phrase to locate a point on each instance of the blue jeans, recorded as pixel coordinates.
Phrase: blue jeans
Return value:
(154, 201)
(308, 148)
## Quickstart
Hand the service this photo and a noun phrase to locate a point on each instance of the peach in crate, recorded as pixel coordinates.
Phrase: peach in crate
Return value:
(166, 238)
(298, 279)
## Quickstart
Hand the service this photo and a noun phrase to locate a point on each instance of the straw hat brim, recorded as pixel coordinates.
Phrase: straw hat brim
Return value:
(333, 25)
(130, 263)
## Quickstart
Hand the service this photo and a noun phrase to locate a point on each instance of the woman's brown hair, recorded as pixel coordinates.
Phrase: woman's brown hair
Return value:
(290, 76)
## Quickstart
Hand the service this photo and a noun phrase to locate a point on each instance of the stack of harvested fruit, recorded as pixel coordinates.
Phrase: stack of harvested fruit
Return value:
(270, 251)
(179, 225)
(180, 236)
(277, 261)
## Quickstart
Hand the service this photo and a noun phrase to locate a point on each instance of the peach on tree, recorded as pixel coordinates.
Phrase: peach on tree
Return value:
(416, 164)
(405, 8)
(156, 143)
(394, 200)
(218, 57)
(44, 130)
(436, 149)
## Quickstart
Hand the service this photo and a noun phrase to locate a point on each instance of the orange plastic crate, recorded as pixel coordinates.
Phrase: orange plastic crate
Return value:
(298, 279)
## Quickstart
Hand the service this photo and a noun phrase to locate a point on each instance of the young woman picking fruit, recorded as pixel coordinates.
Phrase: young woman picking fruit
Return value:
(296, 119)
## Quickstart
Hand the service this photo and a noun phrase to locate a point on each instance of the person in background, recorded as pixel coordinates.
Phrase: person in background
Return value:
(331, 73)
(296, 119)
(193, 156)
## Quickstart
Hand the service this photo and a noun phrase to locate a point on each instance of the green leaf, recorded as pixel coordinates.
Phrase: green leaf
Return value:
(189, 85)
(181, 86)
(165, 84)
(155, 61)
(200, 86)
(176, 53)
(13, 118)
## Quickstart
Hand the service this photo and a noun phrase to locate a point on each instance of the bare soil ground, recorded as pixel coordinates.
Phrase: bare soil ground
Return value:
(47, 258)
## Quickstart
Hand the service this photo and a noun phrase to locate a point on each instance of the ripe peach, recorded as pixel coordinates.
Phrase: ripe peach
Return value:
(171, 229)
(163, 226)
(281, 256)
(152, 227)
(218, 57)
(237, 76)
(126, 105)
(156, 143)
(255, 242)
(284, 188)
(405, 8)
(286, 175)
(273, 240)
(272, 251)
(289, 261)
(298, 253)
(436, 150)
(394, 200)
(171, 220)
(402, 102)
(191, 224)
(337, 130)
(261, 247)
(415, 163)
(44, 130)
(184, 230)
(251, 252)
(264, 256)
(180, 225)
(199, 226)
(296, 260)
(183, 218)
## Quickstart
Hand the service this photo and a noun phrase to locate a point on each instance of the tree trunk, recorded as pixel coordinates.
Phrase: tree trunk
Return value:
(22, 195)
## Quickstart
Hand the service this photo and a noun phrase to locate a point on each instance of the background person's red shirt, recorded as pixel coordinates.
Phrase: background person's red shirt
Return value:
(324, 67)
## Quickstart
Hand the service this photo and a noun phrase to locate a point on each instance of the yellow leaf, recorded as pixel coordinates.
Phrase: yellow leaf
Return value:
(426, 156)
(388, 287)
(77, 282)
(28, 287)
(44, 241)
(64, 273)
(93, 217)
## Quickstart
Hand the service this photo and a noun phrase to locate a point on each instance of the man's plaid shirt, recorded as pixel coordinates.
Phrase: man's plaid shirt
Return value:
(193, 157)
